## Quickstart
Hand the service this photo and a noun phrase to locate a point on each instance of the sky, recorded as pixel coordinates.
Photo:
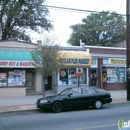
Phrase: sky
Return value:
(63, 19)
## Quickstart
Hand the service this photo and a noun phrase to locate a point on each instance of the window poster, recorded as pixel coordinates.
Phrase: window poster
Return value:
(3, 79)
(68, 76)
(121, 75)
(72, 76)
(116, 75)
(16, 78)
(111, 76)
(11, 78)
(64, 76)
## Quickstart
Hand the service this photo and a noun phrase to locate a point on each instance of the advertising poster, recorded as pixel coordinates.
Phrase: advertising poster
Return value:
(16, 78)
(3, 79)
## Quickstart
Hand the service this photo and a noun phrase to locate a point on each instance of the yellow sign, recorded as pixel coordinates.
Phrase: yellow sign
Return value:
(118, 61)
(76, 58)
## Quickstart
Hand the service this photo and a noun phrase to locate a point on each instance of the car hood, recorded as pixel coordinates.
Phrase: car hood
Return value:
(51, 97)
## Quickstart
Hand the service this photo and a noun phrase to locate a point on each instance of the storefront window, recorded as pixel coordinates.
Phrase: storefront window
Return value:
(64, 76)
(16, 78)
(68, 76)
(121, 75)
(114, 75)
(72, 76)
(83, 78)
(3, 79)
(94, 61)
(10, 77)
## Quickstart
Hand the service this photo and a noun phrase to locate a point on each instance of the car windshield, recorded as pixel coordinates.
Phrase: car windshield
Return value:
(66, 91)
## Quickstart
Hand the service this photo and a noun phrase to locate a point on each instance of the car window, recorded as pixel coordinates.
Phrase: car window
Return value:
(93, 90)
(66, 91)
(87, 91)
(99, 90)
(76, 91)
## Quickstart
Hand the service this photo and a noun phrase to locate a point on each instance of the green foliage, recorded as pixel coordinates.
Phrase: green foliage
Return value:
(47, 57)
(18, 16)
(99, 29)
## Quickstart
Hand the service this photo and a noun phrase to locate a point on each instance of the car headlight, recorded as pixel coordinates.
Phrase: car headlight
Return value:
(43, 101)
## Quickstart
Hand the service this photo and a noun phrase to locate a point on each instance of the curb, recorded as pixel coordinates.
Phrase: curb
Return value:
(4, 109)
(6, 112)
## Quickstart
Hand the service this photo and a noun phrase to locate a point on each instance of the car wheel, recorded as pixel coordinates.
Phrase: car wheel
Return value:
(57, 107)
(98, 104)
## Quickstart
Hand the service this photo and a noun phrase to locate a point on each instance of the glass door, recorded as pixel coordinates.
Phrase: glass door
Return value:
(93, 77)
(30, 81)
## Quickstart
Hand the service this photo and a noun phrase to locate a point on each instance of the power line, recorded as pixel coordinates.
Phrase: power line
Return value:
(81, 10)
(103, 4)
(70, 9)
(120, 6)
(85, 12)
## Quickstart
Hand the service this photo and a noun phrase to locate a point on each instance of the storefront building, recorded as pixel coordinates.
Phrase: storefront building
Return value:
(102, 67)
(19, 78)
(74, 61)
(108, 69)
(17, 73)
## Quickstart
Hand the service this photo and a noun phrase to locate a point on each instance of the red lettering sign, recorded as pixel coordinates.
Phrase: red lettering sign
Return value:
(25, 63)
(22, 64)
(11, 63)
(3, 63)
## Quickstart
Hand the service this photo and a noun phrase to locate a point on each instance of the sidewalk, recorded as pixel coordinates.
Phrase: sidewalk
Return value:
(8, 104)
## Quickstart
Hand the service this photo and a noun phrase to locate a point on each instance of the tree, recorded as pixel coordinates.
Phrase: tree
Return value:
(99, 29)
(18, 16)
(47, 59)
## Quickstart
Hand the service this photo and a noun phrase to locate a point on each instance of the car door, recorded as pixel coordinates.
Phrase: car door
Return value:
(88, 96)
(74, 98)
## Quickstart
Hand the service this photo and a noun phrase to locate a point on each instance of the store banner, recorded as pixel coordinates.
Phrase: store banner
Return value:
(16, 64)
(117, 61)
(76, 58)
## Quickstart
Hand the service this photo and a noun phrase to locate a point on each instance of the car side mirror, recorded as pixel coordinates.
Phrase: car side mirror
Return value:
(69, 95)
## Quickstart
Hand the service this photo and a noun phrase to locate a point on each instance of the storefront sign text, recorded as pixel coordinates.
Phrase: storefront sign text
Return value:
(118, 61)
(74, 61)
(22, 64)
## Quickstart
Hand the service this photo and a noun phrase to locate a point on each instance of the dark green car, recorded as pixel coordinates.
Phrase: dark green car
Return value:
(75, 97)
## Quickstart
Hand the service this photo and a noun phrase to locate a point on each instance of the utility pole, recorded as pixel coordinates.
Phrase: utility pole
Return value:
(128, 47)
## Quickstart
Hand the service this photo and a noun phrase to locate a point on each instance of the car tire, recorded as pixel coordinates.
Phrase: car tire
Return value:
(57, 107)
(98, 104)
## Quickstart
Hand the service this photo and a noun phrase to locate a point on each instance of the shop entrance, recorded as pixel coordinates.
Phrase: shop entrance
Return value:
(30, 81)
(48, 83)
(93, 77)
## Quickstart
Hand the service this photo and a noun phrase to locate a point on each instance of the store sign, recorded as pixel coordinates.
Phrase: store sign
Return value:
(75, 58)
(74, 61)
(19, 64)
(79, 71)
(118, 61)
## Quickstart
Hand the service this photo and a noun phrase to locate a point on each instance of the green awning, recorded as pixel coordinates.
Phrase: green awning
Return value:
(15, 55)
